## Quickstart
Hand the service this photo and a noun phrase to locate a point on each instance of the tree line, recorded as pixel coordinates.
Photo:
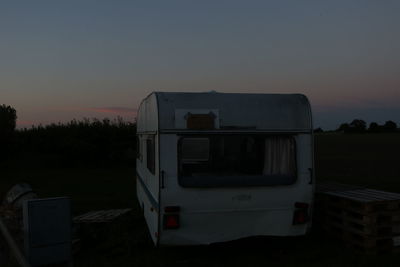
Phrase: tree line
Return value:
(360, 126)
(98, 142)
(84, 142)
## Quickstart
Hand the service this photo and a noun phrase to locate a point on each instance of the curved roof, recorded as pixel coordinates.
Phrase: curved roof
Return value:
(268, 112)
(253, 111)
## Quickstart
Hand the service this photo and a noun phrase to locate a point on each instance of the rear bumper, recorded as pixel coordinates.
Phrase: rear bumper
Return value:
(198, 228)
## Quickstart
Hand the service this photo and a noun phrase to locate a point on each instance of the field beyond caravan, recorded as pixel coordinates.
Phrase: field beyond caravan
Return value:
(215, 167)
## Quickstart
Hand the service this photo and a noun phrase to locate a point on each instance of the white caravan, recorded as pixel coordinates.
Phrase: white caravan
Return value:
(214, 167)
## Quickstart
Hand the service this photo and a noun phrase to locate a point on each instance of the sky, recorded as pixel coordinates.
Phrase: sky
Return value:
(63, 60)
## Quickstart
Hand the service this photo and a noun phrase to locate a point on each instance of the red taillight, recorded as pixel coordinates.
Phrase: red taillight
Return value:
(171, 221)
(171, 218)
(300, 215)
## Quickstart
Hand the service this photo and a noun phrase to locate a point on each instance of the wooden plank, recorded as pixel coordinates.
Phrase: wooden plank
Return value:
(373, 195)
(349, 203)
(343, 194)
(371, 219)
(87, 215)
(355, 226)
(100, 216)
(394, 195)
(368, 196)
(356, 238)
(363, 244)
(331, 187)
(362, 195)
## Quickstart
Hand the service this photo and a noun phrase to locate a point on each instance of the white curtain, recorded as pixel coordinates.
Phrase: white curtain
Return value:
(279, 156)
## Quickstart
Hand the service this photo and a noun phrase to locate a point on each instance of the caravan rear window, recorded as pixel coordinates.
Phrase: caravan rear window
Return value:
(195, 149)
(236, 160)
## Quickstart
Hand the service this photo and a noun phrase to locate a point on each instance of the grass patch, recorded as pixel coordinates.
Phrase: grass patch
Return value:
(370, 160)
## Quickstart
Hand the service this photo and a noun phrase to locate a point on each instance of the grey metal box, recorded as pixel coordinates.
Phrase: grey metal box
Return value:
(47, 227)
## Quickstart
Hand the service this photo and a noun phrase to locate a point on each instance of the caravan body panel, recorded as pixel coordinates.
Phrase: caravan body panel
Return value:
(220, 212)
(209, 215)
(147, 185)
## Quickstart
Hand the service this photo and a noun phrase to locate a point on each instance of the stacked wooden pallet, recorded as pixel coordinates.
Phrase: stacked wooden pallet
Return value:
(100, 216)
(363, 218)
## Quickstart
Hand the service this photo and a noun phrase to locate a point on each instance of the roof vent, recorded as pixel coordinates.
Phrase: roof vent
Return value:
(197, 119)
(200, 121)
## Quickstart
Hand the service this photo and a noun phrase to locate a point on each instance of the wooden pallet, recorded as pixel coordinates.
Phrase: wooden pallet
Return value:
(100, 216)
(367, 229)
(364, 201)
(366, 219)
(360, 242)
(377, 220)
(350, 214)
(333, 187)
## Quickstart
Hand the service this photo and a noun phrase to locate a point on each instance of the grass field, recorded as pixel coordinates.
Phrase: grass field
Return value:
(370, 160)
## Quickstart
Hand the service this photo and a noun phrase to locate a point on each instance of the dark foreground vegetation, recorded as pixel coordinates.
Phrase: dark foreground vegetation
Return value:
(93, 163)
(80, 143)
(369, 160)
(86, 143)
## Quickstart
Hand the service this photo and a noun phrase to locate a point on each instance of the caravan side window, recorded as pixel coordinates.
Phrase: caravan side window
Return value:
(150, 151)
(138, 150)
(139, 147)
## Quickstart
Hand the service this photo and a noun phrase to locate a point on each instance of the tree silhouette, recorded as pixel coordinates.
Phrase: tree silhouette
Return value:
(8, 119)
(390, 126)
(344, 127)
(374, 127)
(358, 126)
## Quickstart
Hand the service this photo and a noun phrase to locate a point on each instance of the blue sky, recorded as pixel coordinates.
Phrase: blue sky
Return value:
(72, 59)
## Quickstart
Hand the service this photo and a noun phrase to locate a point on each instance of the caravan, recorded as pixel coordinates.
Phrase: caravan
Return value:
(214, 167)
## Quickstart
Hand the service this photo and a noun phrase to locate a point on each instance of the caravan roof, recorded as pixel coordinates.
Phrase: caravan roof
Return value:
(271, 112)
